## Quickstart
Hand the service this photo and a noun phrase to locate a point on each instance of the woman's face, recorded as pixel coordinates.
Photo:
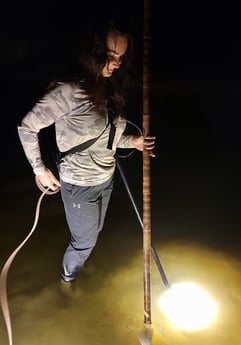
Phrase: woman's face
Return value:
(116, 48)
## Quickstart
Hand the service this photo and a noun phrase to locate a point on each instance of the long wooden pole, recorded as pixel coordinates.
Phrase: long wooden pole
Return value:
(146, 168)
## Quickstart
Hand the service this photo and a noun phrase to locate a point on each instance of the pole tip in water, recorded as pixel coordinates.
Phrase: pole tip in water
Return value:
(145, 335)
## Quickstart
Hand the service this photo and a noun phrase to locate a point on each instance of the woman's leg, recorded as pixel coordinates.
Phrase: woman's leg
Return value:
(85, 209)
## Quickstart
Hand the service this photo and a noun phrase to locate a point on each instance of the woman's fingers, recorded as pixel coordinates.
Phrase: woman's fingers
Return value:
(149, 143)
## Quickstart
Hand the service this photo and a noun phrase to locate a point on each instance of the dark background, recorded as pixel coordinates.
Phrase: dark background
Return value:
(195, 178)
(195, 64)
(194, 93)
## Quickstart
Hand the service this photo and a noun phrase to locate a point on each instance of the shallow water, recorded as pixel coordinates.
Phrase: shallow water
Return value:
(192, 233)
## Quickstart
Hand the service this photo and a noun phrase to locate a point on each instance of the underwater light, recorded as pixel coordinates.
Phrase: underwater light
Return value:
(188, 307)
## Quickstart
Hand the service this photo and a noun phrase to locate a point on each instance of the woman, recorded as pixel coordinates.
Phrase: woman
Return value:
(88, 111)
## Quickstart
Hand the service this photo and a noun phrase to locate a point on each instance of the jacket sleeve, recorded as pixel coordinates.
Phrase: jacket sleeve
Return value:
(125, 142)
(52, 106)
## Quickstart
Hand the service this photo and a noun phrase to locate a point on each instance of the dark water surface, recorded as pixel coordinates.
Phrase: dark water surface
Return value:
(195, 230)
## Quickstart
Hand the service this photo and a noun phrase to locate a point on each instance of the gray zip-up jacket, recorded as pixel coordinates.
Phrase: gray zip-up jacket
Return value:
(76, 121)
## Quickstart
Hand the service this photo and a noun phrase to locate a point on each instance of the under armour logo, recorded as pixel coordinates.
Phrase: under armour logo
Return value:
(76, 205)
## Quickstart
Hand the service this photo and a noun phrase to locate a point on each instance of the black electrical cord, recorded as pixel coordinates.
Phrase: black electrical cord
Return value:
(153, 250)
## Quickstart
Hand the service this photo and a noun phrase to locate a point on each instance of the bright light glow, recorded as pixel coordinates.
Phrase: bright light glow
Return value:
(188, 307)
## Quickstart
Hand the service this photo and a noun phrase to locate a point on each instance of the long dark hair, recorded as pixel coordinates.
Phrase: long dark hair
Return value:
(93, 57)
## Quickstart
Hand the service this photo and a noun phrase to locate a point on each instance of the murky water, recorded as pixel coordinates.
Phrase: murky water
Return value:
(106, 306)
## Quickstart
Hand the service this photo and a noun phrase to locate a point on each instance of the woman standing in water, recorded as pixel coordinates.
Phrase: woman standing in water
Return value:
(87, 111)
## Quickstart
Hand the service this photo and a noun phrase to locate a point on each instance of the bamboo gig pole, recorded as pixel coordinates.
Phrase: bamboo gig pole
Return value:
(146, 168)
